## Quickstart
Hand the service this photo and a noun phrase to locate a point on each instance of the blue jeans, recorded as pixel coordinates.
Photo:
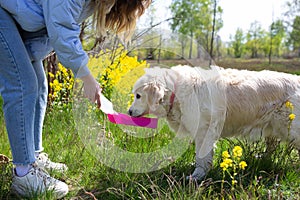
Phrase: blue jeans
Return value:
(23, 87)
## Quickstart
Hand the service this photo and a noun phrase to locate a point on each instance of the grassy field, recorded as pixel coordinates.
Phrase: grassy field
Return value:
(277, 64)
(282, 65)
(269, 175)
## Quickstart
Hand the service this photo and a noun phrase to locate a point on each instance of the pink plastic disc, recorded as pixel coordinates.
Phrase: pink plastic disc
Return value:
(120, 118)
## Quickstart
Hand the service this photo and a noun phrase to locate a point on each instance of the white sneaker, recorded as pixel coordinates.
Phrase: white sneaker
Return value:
(37, 182)
(44, 162)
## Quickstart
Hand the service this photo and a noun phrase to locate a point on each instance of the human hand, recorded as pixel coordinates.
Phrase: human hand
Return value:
(92, 89)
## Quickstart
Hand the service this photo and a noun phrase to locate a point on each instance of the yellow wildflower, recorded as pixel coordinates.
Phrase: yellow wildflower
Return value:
(242, 165)
(237, 152)
(226, 163)
(114, 69)
(292, 116)
(225, 154)
(61, 85)
(232, 165)
(289, 105)
(233, 182)
(51, 75)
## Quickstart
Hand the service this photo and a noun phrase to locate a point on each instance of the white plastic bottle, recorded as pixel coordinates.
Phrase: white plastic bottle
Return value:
(106, 105)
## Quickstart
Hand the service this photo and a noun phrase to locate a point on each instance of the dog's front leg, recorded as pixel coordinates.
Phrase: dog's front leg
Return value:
(203, 165)
(205, 141)
(203, 162)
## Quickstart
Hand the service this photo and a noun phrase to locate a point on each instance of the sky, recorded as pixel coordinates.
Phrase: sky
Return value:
(236, 14)
(241, 13)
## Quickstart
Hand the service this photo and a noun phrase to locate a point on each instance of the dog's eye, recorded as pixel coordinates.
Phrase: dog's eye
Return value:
(138, 96)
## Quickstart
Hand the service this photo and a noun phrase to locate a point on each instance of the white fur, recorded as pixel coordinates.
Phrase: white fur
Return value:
(218, 102)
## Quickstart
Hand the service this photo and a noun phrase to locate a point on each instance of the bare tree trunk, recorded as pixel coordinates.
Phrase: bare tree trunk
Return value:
(191, 46)
(213, 32)
(159, 49)
(271, 46)
(199, 50)
(183, 42)
(271, 39)
(182, 48)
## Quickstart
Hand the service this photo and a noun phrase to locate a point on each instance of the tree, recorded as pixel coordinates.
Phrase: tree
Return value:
(195, 19)
(295, 35)
(290, 23)
(255, 38)
(183, 18)
(277, 35)
(238, 43)
(213, 28)
(293, 10)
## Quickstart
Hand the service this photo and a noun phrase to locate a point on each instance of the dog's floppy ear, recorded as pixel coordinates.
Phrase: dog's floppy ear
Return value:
(155, 94)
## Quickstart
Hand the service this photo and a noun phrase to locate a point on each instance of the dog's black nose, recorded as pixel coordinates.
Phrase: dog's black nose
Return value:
(130, 112)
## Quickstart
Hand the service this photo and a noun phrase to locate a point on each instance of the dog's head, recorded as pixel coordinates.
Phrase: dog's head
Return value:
(151, 92)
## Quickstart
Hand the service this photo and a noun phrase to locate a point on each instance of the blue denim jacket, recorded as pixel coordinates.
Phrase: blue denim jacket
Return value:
(62, 20)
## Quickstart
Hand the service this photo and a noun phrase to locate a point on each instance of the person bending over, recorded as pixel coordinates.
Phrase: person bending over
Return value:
(29, 30)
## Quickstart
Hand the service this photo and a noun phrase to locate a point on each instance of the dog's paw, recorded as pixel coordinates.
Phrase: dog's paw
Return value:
(198, 175)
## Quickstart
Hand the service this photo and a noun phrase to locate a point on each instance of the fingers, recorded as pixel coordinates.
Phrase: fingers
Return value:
(94, 96)
(92, 89)
(97, 98)
(98, 103)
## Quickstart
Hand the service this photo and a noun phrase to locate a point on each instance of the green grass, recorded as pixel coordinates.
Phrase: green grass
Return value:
(278, 64)
(269, 175)
(273, 175)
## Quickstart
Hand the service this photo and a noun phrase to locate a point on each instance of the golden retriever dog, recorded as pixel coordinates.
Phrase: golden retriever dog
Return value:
(211, 103)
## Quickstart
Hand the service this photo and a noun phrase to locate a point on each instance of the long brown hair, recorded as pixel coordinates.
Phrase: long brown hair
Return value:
(118, 15)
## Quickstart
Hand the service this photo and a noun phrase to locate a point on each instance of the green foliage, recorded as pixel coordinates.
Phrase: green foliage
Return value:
(238, 43)
(258, 42)
(278, 34)
(61, 87)
(255, 39)
(112, 66)
(277, 41)
(194, 18)
(5, 178)
(295, 34)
